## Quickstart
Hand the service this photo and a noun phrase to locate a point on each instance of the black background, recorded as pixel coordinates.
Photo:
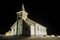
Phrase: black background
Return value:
(39, 11)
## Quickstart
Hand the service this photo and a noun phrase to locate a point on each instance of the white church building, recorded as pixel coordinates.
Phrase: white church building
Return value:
(27, 27)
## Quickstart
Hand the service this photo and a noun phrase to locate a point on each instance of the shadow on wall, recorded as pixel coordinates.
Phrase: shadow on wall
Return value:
(26, 29)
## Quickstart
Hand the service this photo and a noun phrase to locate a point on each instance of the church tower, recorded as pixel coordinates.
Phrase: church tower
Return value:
(22, 14)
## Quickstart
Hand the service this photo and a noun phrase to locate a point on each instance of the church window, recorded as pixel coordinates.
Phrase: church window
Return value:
(19, 16)
(38, 28)
(14, 30)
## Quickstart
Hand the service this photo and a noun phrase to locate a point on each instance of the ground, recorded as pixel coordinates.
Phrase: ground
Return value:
(28, 38)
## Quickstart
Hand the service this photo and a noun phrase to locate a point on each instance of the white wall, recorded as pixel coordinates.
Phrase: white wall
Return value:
(14, 27)
(20, 27)
(37, 30)
(41, 31)
(32, 30)
(13, 30)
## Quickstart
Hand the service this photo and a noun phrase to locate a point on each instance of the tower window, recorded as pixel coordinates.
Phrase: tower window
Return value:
(19, 15)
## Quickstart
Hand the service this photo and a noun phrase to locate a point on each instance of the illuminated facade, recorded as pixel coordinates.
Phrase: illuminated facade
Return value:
(25, 26)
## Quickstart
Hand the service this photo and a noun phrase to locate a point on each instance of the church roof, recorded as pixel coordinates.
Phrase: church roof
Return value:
(32, 22)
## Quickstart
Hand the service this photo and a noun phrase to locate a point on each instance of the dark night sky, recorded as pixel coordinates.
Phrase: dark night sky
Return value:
(38, 11)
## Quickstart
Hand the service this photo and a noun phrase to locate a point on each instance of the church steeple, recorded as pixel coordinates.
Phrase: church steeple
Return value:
(22, 14)
(23, 9)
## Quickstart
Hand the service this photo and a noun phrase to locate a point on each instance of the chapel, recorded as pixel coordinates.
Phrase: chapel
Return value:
(25, 26)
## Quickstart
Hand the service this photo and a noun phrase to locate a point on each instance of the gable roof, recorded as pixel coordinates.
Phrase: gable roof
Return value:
(31, 22)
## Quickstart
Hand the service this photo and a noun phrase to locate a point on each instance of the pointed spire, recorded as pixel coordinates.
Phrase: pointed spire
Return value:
(23, 9)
